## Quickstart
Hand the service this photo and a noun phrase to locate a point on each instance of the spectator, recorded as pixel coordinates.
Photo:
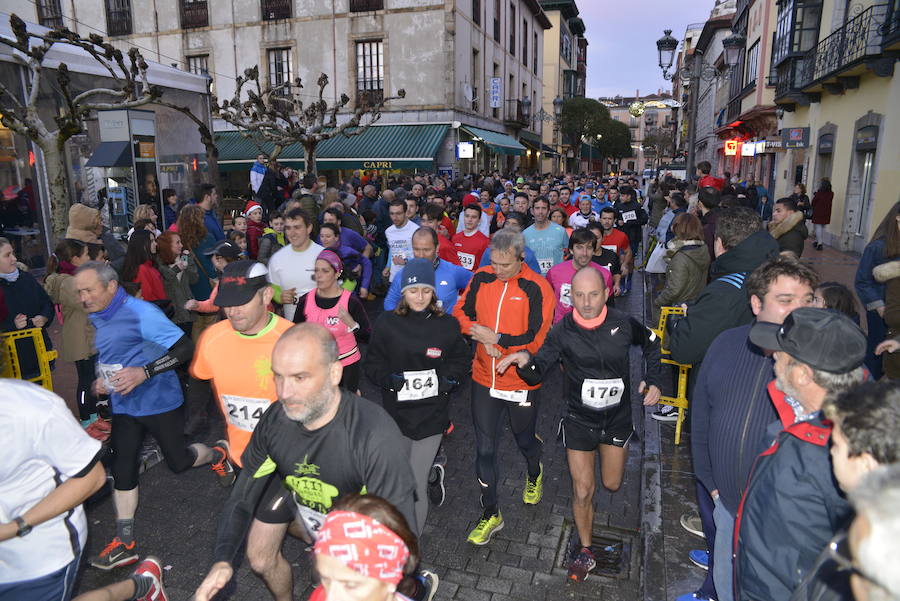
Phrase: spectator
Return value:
(140, 266)
(785, 520)
(198, 242)
(821, 211)
(255, 226)
(703, 172)
(208, 200)
(802, 200)
(888, 274)
(708, 203)
(170, 207)
(884, 246)
(688, 264)
(788, 226)
(178, 272)
(272, 239)
(833, 295)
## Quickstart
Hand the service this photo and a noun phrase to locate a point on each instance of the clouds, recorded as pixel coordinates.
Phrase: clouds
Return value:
(622, 38)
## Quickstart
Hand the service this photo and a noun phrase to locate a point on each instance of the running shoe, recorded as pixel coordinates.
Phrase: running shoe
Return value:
(152, 568)
(699, 558)
(429, 581)
(691, 522)
(221, 465)
(581, 564)
(436, 491)
(440, 457)
(116, 554)
(666, 413)
(487, 526)
(534, 489)
(450, 429)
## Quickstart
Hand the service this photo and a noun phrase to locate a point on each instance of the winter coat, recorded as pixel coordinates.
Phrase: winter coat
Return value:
(270, 243)
(83, 223)
(709, 231)
(724, 303)
(868, 289)
(178, 289)
(802, 201)
(821, 207)
(889, 274)
(254, 233)
(77, 331)
(688, 266)
(657, 206)
(28, 297)
(790, 233)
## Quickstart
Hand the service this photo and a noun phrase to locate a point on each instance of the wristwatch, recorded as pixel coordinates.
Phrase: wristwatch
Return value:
(24, 527)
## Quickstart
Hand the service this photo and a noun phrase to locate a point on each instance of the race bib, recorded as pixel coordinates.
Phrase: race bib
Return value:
(629, 216)
(311, 518)
(600, 394)
(565, 295)
(244, 412)
(611, 247)
(545, 265)
(106, 371)
(513, 396)
(467, 260)
(418, 385)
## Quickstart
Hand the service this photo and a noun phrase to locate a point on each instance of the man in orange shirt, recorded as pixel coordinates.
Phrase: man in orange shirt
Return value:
(507, 307)
(617, 241)
(236, 354)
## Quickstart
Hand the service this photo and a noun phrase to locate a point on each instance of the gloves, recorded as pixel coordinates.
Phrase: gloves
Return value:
(446, 385)
(394, 382)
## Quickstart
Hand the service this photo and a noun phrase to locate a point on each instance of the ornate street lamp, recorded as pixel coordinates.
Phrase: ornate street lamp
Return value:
(733, 45)
(526, 109)
(666, 46)
(557, 106)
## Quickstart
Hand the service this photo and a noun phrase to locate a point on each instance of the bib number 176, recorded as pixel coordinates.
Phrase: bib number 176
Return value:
(600, 394)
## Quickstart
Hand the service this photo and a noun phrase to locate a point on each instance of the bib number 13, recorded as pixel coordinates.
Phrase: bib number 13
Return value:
(600, 394)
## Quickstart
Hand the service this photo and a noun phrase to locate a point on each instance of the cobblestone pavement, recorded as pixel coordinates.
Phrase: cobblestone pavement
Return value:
(178, 514)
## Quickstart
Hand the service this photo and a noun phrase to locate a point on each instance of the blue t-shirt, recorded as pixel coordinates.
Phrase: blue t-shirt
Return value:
(547, 244)
(530, 259)
(598, 205)
(449, 279)
(133, 333)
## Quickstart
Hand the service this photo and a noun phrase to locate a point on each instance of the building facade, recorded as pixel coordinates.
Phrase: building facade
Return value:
(651, 114)
(474, 66)
(837, 95)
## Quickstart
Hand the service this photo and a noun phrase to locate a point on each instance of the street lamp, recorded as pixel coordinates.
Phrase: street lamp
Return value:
(526, 109)
(693, 72)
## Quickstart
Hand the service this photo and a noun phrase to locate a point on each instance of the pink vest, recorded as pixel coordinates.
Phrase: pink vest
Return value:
(348, 352)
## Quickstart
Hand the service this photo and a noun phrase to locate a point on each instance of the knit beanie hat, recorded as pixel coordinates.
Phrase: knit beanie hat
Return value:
(418, 272)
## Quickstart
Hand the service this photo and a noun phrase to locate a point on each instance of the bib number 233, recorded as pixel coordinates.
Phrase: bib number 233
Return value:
(600, 394)
(418, 385)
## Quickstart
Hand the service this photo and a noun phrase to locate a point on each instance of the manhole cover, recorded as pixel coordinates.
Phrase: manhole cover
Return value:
(612, 548)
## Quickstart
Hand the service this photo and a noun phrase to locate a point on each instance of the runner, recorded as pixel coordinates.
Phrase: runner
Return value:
(507, 307)
(606, 258)
(514, 223)
(616, 241)
(418, 357)
(592, 343)
(291, 268)
(433, 216)
(139, 350)
(470, 243)
(548, 240)
(340, 312)
(581, 245)
(317, 443)
(585, 213)
(245, 340)
(399, 239)
(450, 279)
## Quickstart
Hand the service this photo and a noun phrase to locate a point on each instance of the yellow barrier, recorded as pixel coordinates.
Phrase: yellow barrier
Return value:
(680, 399)
(11, 367)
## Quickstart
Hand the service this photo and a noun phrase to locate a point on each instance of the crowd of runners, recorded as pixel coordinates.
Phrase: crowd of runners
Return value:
(484, 284)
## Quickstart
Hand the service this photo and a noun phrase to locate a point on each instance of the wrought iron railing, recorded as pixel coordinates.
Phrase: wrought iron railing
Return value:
(358, 6)
(788, 75)
(515, 115)
(857, 39)
(276, 9)
(194, 13)
(891, 29)
(369, 97)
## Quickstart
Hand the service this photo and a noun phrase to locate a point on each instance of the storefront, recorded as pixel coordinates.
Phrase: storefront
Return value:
(492, 150)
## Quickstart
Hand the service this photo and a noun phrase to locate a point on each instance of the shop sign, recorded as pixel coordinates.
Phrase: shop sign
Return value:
(748, 149)
(445, 171)
(773, 144)
(146, 150)
(867, 137)
(465, 150)
(731, 147)
(378, 164)
(496, 93)
(760, 147)
(795, 137)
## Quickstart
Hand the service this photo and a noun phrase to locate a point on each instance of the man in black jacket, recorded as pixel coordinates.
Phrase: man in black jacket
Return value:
(792, 506)
(730, 406)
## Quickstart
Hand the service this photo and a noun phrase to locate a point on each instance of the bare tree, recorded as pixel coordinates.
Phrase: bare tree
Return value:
(21, 113)
(277, 114)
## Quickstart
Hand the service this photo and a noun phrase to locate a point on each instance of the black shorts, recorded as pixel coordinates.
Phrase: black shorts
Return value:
(578, 436)
(276, 506)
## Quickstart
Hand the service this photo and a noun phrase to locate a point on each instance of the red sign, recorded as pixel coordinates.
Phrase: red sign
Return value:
(731, 148)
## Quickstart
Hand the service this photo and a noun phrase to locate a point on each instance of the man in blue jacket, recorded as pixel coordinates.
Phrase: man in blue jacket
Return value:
(730, 409)
(792, 505)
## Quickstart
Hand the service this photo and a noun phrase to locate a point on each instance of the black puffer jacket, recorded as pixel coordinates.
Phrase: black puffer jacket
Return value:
(723, 304)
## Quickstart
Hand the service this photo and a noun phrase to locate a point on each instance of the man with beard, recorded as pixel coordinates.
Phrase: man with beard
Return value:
(316, 444)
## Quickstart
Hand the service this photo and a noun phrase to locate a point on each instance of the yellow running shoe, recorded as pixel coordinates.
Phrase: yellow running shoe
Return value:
(485, 529)
(534, 489)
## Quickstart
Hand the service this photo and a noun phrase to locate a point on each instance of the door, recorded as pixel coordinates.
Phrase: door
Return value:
(866, 179)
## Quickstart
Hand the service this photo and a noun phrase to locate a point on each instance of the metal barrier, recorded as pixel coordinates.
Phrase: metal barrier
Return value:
(680, 400)
(10, 363)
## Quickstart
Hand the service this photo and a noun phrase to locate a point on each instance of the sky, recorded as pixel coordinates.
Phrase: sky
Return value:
(622, 36)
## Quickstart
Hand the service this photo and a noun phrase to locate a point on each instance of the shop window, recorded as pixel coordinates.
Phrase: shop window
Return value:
(369, 72)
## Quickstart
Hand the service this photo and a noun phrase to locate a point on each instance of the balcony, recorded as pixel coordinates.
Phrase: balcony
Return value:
(273, 10)
(788, 84)
(836, 62)
(891, 30)
(515, 117)
(359, 6)
(194, 13)
(369, 97)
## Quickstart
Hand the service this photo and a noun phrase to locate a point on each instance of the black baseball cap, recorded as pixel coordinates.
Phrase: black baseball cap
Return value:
(824, 339)
(239, 282)
(225, 248)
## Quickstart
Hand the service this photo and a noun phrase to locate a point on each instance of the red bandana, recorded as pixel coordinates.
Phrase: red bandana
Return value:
(364, 545)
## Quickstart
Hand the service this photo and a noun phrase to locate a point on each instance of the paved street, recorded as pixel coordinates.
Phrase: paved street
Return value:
(177, 518)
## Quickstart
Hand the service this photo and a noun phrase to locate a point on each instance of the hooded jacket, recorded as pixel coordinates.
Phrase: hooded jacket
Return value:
(790, 233)
(688, 265)
(77, 332)
(724, 303)
(791, 508)
(83, 223)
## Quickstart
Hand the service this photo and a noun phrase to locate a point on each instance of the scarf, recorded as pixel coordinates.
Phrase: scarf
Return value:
(66, 267)
(590, 324)
(12, 276)
(117, 301)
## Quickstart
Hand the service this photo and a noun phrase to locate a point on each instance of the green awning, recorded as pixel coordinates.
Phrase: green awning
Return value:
(379, 147)
(533, 140)
(499, 143)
